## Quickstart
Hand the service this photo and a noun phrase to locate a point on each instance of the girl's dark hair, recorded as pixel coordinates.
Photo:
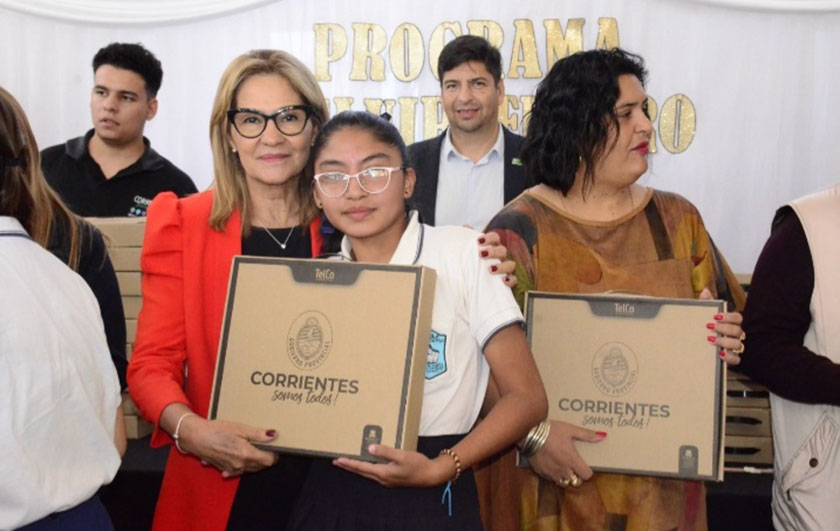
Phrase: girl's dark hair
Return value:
(381, 129)
(573, 111)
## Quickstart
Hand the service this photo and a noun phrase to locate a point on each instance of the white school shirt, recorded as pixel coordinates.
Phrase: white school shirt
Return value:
(58, 387)
(471, 305)
(470, 193)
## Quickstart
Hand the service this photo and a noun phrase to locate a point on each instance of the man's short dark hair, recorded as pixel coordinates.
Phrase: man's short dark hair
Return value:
(132, 57)
(468, 48)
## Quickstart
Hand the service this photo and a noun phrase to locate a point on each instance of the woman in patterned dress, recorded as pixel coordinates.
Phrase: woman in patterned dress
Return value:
(589, 227)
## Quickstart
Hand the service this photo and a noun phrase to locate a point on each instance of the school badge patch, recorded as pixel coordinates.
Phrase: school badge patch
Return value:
(436, 356)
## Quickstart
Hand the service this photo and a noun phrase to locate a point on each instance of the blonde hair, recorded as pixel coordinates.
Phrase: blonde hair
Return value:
(24, 193)
(230, 189)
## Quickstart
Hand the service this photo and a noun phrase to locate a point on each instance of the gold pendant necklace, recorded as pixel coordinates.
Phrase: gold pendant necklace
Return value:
(278, 242)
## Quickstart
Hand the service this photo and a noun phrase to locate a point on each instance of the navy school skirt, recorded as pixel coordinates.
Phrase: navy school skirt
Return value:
(89, 515)
(265, 499)
(334, 499)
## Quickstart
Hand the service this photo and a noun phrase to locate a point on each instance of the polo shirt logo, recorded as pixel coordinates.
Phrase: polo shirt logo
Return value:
(140, 205)
(436, 355)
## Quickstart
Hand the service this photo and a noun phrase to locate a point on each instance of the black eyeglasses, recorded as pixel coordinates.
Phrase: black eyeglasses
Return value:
(289, 120)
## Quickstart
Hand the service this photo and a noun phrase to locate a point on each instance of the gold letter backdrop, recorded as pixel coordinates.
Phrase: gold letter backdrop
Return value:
(742, 92)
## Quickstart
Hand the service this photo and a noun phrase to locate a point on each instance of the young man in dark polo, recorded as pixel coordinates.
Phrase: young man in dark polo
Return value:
(112, 170)
(466, 174)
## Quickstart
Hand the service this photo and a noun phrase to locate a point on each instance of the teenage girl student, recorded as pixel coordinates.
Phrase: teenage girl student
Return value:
(266, 113)
(362, 181)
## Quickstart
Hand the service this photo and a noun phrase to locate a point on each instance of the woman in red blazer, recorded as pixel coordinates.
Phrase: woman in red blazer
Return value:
(266, 113)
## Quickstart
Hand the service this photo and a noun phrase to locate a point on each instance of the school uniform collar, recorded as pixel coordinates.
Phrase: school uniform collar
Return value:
(10, 226)
(409, 248)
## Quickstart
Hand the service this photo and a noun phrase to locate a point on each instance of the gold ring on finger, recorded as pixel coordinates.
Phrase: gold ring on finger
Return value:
(739, 350)
(575, 481)
(563, 483)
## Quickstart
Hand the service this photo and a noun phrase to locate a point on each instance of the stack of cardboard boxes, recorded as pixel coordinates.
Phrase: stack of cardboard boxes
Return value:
(749, 434)
(749, 437)
(124, 238)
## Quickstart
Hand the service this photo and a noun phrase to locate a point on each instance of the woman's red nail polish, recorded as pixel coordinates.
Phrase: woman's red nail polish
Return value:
(507, 278)
(481, 240)
(711, 339)
(601, 434)
(722, 355)
(718, 317)
(271, 433)
(484, 254)
(710, 326)
(494, 268)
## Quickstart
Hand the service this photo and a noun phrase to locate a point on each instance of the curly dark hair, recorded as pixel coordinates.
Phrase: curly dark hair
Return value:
(468, 48)
(573, 113)
(132, 57)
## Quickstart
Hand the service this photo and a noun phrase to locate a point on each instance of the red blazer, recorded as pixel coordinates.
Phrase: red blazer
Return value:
(186, 267)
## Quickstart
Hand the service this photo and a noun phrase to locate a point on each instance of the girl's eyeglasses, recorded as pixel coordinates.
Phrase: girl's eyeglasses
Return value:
(371, 180)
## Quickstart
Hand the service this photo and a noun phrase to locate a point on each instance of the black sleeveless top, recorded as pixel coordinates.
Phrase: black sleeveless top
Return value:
(265, 499)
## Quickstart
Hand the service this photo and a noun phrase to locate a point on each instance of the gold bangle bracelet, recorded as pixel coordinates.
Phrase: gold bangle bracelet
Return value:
(535, 439)
(451, 453)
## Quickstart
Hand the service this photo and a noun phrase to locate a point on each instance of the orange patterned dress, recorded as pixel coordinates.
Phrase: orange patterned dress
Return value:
(661, 248)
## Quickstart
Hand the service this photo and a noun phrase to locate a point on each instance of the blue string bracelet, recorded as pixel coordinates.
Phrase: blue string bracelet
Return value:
(447, 497)
(447, 492)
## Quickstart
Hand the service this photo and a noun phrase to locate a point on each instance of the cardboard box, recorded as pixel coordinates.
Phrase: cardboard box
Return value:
(640, 369)
(125, 258)
(733, 374)
(746, 393)
(128, 406)
(752, 421)
(330, 354)
(131, 306)
(741, 450)
(130, 330)
(129, 282)
(136, 427)
(744, 279)
(121, 232)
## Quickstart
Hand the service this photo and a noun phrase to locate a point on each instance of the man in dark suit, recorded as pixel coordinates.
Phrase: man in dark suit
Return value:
(467, 173)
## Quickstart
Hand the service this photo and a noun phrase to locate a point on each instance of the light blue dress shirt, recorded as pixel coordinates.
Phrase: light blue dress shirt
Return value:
(470, 193)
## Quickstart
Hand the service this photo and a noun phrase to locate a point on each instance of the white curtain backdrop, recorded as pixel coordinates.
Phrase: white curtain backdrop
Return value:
(746, 91)
(778, 5)
(129, 11)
